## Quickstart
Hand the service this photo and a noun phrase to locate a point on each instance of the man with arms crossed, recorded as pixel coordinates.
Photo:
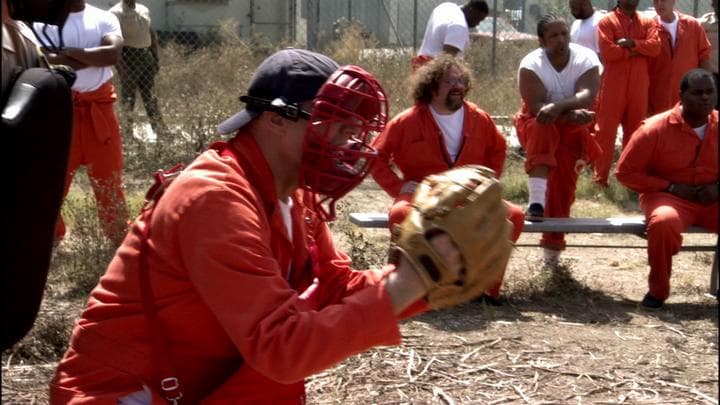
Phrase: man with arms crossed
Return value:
(672, 161)
(94, 42)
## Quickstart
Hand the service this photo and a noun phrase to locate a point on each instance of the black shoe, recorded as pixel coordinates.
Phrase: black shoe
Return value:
(651, 302)
(492, 301)
(535, 212)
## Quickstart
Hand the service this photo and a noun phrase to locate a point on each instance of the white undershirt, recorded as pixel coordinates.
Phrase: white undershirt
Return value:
(671, 27)
(451, 126)
(700, 131)
(285, 208)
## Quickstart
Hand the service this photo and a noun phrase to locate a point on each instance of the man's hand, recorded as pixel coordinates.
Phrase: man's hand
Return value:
(628, 43)
(62, 58)
(684, 191)
(409, 187)
(707, 194)
(404, 285)
(580, 116)
(548, 113)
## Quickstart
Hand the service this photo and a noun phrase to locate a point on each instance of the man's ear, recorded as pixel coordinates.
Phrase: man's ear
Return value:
(275, 119)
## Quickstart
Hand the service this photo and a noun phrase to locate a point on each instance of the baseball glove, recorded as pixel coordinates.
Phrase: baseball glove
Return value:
(466, 204)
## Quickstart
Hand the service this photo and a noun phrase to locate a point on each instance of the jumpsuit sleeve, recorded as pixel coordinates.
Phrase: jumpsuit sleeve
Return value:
(497, 151)
(650, 45)
(224, 245)
(386, 144)
(609, 50)
(633, 169)
(704, 47)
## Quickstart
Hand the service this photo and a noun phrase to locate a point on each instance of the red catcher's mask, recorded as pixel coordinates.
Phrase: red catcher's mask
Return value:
(348, 110)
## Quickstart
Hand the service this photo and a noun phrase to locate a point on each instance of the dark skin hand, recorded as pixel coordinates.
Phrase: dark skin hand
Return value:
(107, 54)
(704, 193)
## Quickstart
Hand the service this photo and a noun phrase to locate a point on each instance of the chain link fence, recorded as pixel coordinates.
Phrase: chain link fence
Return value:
(209, 48)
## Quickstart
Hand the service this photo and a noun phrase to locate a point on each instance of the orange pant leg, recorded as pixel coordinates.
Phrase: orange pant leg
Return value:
(562, 181)
(104, 166)
(608, 119)
(622, 100)
(75, 159)
(667, 216)
(539, 141)
(516, 216)
(636, 109)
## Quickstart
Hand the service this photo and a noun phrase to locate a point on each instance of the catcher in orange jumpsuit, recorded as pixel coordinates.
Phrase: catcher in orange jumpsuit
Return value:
(93, 41)
(558, 83)
(439, 132)
(684, 46)
(672, 161)
(228, 288)
(627, 43)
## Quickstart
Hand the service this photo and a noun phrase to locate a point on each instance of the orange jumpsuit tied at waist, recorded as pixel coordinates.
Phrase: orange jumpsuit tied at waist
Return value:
(662, 151)
(413, 143)
(97, 144)
(675, 59)
(559, 146)
(623, 97)
(247, 318)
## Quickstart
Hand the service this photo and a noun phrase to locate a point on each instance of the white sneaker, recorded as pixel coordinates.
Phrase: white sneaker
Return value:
(551, 257)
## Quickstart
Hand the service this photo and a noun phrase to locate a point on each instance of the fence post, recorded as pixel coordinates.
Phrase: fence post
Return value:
(494, 38)
(415, 17)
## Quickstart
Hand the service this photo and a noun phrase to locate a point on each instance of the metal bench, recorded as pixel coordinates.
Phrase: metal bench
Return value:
(620, 225)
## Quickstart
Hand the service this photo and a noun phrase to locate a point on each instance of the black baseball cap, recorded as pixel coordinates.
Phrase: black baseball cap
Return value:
(285, 78)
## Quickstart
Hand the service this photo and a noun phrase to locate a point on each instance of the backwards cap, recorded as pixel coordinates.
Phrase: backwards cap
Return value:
(286, 78)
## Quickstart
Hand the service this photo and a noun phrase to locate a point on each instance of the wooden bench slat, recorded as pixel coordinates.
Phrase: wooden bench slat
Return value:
(633, 225)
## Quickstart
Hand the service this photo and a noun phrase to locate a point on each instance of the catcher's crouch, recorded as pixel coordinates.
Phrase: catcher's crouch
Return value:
(228, 287)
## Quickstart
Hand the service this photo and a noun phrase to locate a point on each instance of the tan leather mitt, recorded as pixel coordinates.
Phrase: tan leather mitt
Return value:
(465, 203)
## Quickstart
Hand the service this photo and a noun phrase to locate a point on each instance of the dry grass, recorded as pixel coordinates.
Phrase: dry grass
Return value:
(569, 336)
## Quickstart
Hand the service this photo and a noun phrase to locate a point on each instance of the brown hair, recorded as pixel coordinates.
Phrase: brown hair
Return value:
(426, 80)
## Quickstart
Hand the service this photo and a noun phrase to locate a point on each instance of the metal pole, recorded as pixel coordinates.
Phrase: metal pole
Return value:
(415, 17)
(349, 17)
(695, 8)
(494, 38)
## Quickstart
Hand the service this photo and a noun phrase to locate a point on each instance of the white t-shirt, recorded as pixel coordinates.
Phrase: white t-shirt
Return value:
(451, 126)
(86, 29)
(446, 26)
(585, 33)
(700, 131)
(670, 27)
(285, 209)
(560, 85)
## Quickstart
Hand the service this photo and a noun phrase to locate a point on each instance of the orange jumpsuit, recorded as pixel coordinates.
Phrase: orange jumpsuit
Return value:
(691, 47)
(662, 151)
(227, 282)
(414, 144)
(623, 96)
(558, 146)
(96, 144)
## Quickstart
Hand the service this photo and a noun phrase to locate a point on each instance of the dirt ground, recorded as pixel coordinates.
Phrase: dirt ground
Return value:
(573, 334)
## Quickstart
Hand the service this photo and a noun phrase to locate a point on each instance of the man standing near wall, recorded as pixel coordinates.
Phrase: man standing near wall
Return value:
(584, 29)
(447, 29)
(93, 41)
(627, 42)
(709, 22)
(683, 46)
(139, 64)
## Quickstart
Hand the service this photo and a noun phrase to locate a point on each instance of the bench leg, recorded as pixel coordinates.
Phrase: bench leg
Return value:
(714, 276)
